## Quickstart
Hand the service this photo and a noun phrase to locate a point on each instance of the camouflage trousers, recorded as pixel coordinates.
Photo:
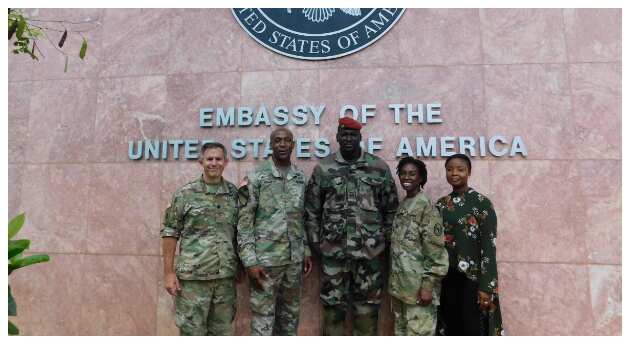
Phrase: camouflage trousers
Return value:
(276, 308)
(206, 308)
(414, 320)
(351, 282)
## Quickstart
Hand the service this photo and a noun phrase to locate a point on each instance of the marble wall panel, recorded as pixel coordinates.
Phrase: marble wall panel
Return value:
(50, 296)
(545, 299)
(136, 42)
(522, 36)
(55, 200)
(19, 104)
(128, 109)
(596, 94)
(436, 36)
(606, 299)
(534, 102)
(593, 35)
(544, 223)
(204, 40)
(61, 121)
(600, 188)
(14, 189)
(119, 295)
(124, 209)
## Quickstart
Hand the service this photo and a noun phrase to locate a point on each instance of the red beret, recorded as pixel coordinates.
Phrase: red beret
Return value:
(350, 123)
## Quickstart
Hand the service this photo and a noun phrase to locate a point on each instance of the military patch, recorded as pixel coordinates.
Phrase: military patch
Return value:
(437, 229)
(243, 195)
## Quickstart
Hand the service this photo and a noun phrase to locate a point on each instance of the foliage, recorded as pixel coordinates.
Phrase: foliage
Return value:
(17, 260)
(29, 35)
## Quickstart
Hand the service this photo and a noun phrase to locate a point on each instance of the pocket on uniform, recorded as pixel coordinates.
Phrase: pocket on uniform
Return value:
(368, 192)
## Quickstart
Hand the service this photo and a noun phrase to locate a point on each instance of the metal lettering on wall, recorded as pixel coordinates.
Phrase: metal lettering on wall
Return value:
(316, 33)
(215, 118)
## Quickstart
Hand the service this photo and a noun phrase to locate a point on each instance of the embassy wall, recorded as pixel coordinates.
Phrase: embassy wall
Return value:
(550, 76)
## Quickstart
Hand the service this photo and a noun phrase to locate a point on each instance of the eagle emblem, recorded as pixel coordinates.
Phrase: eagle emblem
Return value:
(320, 15)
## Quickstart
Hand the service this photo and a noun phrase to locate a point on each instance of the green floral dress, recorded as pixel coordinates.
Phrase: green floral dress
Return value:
(470, 232)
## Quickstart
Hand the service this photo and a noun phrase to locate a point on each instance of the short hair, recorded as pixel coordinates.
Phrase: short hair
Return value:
(213, 145)
(277, 130)
(459, 156)
(422, 168)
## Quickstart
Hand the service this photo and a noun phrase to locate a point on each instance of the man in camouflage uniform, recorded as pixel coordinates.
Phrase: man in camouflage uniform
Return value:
(271, 239)
(419, 259)
(350, 204)
(202, 216)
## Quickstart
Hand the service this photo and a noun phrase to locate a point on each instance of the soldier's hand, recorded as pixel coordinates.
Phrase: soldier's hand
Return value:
(171, 283)
(425, 297)
(308, 266)
(257, 275)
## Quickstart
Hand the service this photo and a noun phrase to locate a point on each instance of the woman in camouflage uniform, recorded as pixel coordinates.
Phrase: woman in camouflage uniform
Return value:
(469, 302)
(419, 260)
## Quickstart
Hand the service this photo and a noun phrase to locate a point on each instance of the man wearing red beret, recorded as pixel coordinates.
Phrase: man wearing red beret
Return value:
(350, 204)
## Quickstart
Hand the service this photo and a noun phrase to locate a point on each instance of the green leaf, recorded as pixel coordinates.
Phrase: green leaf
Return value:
(16, 224)
(12, 305)
(17, 246)
(20, 27)
(65, 66)
(12, 28)
(83, 49)
(13, 330)
(26, 261)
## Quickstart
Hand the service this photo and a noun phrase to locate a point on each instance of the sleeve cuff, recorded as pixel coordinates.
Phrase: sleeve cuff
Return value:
(169, 232)
(427, 284)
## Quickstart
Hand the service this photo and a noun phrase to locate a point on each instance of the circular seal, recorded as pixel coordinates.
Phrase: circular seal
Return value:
(316, 33)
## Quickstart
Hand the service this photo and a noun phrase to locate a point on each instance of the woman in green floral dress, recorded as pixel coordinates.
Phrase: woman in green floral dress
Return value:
(469, 303)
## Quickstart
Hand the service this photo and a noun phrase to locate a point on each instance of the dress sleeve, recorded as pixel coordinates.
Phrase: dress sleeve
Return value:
(313, 207)
(488, 280)
(174, 217)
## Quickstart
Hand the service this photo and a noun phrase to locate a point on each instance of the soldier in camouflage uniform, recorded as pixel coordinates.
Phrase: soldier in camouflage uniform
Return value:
(271, 239)
(202, 216)
(350, 204)
(419, 259)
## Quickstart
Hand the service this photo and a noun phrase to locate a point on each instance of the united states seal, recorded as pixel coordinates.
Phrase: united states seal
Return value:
(316, 33)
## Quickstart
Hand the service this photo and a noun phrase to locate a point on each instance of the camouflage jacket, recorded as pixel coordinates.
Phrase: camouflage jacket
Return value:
(350, 206)
(205, 223)
(418, 256)
(271, 221)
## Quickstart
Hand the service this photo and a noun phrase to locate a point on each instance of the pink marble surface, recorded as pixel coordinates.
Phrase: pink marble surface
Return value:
(124, 209)
(602, 214)
(50, 296)
(61, 121)
(20, 66)
(544, 224)
(119, 295)
(522, 36)
(606, 299)
(204, 40)
(14, 189)
(55, 200)
(135, 42)
(437, 36)
(596, 90)
(593, 35)
(128, 109)
(532, 101)
(545, 299)
(19, 99)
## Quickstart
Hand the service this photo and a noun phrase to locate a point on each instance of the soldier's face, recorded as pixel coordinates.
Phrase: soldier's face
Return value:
(282, 145)
(457, 172)
(213, 163)
(410, 177)
(349, 140)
